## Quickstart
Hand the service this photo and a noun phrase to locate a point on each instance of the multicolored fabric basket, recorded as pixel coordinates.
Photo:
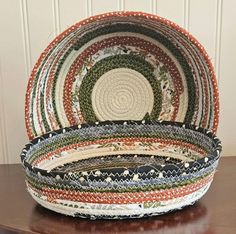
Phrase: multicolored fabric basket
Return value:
(121, 110)
(121, 169)
(121, 66)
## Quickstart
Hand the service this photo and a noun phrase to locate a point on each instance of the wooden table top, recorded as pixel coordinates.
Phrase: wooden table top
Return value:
(214, 213)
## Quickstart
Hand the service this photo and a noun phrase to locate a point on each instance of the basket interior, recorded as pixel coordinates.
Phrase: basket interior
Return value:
(121, 67)
(112, 146)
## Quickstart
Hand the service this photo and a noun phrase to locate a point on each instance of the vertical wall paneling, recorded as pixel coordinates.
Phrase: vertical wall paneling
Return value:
(186, 14)
(172, 10)
(56, 17)
(13, 73)
(71, 12)
(154, 6)
(217, 46)
(101, 6)
(202, 23)
(3, 142)
(121, 5)
(89, 8)
(41, 26)
(138, 5)
(25, 34)
(227, 82)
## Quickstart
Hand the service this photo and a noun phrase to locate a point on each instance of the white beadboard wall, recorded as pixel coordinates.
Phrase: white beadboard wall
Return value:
(27, 26)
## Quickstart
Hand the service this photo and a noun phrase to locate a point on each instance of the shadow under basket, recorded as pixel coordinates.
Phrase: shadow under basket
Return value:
(121, 169)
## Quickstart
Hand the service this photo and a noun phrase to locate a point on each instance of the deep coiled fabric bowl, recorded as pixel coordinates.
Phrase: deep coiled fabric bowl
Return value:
(121, 169)
(121, 65)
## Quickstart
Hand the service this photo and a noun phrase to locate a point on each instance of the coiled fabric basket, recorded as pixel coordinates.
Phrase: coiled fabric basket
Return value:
(121, 169)
(121, 66)
(141, 96)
